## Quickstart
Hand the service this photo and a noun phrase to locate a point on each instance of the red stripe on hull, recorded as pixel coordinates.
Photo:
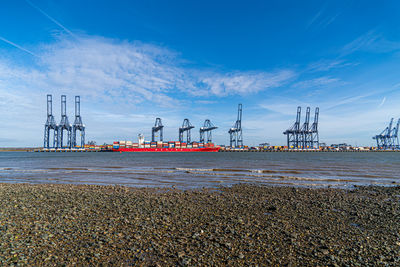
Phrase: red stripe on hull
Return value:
(203, 149)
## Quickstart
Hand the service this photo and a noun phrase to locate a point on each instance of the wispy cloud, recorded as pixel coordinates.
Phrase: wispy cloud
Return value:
(316, 83)
(371, 42)
(326, 65)
(245, 82)
(107, 68)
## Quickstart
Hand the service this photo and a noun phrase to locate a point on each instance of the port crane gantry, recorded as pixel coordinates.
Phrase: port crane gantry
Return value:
(395, 136)
(186, 127)
(78, 125)
(64, 125)
(207, 130)
(158, 127)
(293, 132)
(314, 130)
(50, 125)
(304, 137)
(388, 138)
(235, 133)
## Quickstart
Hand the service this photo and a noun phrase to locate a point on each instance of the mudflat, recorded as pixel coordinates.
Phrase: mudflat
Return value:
(235, 226)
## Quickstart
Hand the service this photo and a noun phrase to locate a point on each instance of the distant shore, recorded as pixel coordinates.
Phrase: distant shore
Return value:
(17, 149)
(234, 226)
(38, 149)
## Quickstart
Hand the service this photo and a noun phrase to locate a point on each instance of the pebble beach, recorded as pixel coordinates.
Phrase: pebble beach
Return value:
(241, 225)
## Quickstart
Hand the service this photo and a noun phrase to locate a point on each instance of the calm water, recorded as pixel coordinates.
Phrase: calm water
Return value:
(191, 170)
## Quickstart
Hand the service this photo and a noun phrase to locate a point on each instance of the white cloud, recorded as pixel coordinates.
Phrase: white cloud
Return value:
(245, 82)
(371, 42)
(106, 68)
(317, 82)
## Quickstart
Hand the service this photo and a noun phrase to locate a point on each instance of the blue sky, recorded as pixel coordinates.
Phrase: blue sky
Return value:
(133, 61)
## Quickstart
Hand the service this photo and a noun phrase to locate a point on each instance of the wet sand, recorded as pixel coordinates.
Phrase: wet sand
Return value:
(232, 226)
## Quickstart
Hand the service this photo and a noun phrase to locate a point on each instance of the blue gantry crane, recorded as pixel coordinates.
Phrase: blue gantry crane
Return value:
(388, 138)
(50, 126)
(207, 130)
(78, 125)
(293, 133)
(186, 127)
(314, 130)
(395, 135)
(158, 127)
(235, 133)
(64, 125)
(304, 137)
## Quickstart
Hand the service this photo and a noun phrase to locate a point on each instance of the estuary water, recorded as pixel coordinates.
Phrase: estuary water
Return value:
(196, 170)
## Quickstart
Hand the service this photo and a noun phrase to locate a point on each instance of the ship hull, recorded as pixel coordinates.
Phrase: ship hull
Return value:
(202, 149)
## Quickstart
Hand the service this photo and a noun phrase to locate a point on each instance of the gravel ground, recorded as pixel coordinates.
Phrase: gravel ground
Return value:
(236, 226)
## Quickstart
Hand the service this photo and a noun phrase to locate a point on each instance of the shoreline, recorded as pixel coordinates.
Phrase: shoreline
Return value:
(242, 224)
(40, 150)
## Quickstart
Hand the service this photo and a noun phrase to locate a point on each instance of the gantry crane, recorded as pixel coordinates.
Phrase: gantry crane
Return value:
(314, 130)
(235, 133)
(158, 127)
(78, 125)
(50, 125)
(305, 136)
(186, 127)
(64, 125)
(385, 140)
(207, 129)
(395, 136)
(294, 132)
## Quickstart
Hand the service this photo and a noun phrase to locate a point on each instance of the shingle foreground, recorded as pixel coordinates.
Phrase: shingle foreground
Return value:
(239, 225)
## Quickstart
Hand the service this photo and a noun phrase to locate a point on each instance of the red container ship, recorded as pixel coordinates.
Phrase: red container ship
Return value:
(172, 146)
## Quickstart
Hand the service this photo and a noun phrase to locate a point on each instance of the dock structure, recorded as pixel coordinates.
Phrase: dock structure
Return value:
(50, 127)
(78, 125)
(186, 127)
(64, 126)
(206, 130)
(158, 127)
(235, 133)
(303, 137)
(388, 139)
(63, 135)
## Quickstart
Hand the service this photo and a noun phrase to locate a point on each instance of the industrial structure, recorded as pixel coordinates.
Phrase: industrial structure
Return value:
(78, 125)
(64, 134)
(186, 127)
(303, 137)
(158, 127)
(388, 138)
(50, 126)
(207, 130)
(235, 133)
(64, 126)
